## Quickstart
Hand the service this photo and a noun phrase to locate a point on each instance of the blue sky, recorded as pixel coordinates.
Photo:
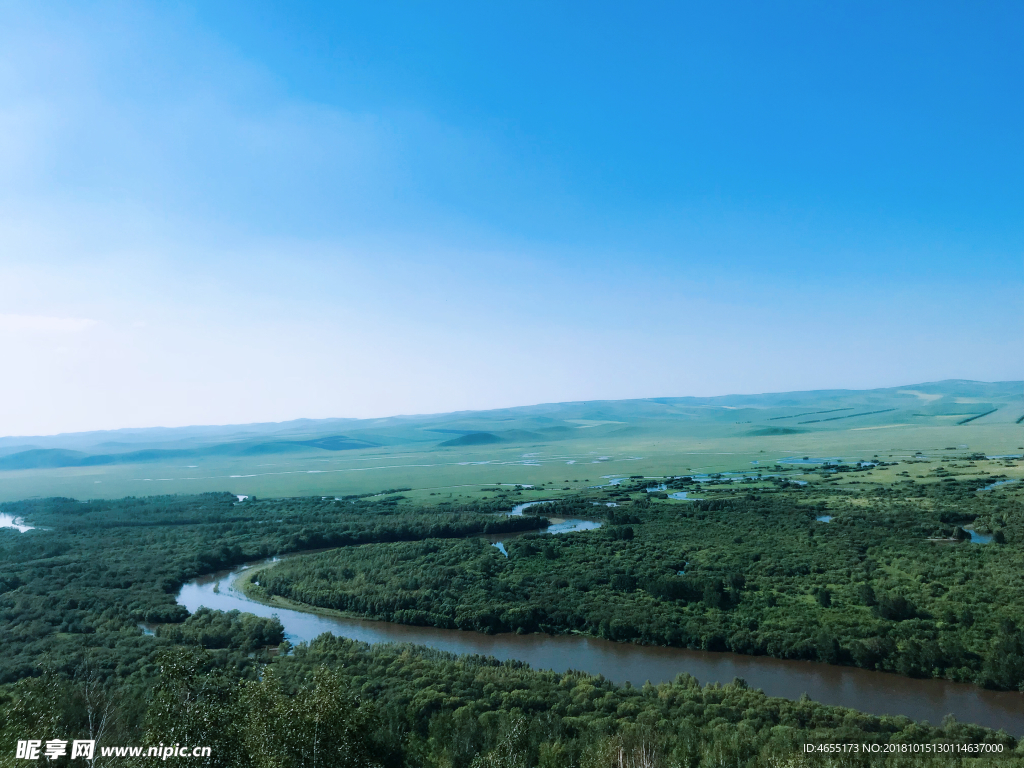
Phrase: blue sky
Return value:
(230, 212)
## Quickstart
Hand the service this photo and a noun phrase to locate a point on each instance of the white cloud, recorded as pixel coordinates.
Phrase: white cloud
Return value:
(43, 324)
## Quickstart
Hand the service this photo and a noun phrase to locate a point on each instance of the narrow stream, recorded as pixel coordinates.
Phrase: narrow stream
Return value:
(557, 525)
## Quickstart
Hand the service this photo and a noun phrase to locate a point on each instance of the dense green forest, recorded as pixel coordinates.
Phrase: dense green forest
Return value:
(79, 588)
(759, 569)
(753, 572)
(397, 705)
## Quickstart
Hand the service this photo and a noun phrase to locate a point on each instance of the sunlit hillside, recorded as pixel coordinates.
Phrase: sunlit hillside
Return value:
(577, 442)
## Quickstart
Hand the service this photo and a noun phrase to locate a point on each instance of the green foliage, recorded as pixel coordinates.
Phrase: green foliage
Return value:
(749, 570)
(320, 724)
(76, 588)
(880, 586)
(217, 629)
(437, 710)
(194, 707)
(471, 712)
(55, 707)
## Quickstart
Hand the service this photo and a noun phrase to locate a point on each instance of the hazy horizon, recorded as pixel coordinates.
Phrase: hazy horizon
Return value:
(427, 414)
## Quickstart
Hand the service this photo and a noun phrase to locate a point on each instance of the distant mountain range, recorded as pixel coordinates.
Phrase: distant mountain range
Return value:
(947, 403)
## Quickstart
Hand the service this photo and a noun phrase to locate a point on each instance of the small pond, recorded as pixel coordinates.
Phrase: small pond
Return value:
(978, 538)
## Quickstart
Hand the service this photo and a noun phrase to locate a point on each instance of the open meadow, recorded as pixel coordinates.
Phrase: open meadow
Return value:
(570, 445)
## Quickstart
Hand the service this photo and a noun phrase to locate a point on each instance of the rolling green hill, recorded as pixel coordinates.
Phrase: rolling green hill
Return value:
(555, 442)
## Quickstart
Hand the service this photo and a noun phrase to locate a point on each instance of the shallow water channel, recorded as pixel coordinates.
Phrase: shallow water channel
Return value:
(557, 525)
(10, 521)
(875, 692)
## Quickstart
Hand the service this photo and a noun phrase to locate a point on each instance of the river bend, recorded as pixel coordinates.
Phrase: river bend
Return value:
(879, 693)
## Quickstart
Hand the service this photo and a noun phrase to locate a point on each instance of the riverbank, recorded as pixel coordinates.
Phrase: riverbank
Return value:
(244, 584)
(878, 693)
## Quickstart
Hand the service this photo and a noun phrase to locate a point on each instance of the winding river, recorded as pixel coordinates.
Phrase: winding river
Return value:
(875, 692)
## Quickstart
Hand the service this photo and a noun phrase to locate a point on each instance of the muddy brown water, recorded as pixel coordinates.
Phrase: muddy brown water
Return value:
(875, 692)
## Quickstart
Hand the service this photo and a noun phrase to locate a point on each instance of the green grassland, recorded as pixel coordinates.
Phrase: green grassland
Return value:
(567, 444)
